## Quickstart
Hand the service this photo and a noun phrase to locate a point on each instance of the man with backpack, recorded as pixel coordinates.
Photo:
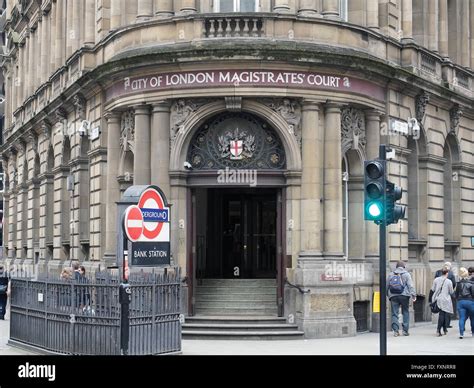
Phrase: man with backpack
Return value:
(399, 290)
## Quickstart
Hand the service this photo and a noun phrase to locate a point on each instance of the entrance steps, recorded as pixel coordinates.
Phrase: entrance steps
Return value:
(239, 328)
(237, 309)
(236, 297)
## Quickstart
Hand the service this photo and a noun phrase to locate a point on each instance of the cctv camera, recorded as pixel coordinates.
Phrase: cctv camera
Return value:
(414, 126)
(187, 165)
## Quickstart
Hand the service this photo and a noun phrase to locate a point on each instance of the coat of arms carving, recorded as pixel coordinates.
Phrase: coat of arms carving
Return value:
(237, 145)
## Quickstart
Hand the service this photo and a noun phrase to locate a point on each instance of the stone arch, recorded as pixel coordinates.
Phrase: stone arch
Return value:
(50, 159)
(66, 151)
(452, 145)
(36, 166)
(24, 173)
(184, 136)
(84, 146)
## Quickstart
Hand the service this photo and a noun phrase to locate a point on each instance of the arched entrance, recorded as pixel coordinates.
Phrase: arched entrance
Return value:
(236, 163)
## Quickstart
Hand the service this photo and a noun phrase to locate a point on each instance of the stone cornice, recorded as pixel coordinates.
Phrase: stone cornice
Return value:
(97, 152)
(265, 48)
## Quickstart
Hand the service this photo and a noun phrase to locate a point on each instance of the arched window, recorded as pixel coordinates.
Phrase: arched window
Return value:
(353, 205)
(451, 199)
(413, 192)
(236, 5)
(49, 205)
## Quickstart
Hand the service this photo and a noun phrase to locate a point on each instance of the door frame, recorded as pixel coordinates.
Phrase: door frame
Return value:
(191, 242)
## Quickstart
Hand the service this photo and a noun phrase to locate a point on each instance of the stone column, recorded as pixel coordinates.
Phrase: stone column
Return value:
(471, 18)
(333, 236)
(33, 217)
(62, 212)
(115, 14)
(20, 75)
(407, 19)
(21, 239)
(433, 25)
(311, 226)
(281, 6)
(70, 33)
(331, 9)
(131, 10)
(141, 163)
(145, 9)
(30, 79)
(308, 8)
(46, 48)
(164, 8)
(12, 224)
(89, 23)
(188, 6)
(465, 49)
(60, 33)
(6, 225)
(113, 190)
(160, 147)
(373, 14)
(52, 39)
(372, 132)
(76, 22)
(443, 28)
(39, 69)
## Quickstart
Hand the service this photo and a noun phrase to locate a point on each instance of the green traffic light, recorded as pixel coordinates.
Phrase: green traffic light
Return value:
(375, 210)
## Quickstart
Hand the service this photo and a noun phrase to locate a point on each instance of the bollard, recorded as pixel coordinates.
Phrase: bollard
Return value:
(125, 297)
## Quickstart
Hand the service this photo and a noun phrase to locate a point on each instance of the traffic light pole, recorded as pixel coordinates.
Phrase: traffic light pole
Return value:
(382, 269)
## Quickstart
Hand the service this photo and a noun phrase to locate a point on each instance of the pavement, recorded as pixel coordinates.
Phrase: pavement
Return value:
(422, 341)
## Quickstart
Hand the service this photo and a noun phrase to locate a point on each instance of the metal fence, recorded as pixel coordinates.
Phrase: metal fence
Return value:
(84, 316)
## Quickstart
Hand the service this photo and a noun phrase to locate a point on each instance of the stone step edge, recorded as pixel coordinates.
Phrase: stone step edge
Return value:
(243, 333)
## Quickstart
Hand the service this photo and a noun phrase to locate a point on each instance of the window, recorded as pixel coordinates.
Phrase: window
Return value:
(236, 5)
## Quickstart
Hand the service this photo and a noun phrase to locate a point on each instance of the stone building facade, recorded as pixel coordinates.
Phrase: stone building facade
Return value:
(105, 94)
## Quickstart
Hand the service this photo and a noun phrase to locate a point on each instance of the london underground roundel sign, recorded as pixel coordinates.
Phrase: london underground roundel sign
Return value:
(133, 223)
(155, 216)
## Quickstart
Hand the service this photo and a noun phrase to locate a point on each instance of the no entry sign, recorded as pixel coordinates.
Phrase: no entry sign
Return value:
(133, 223)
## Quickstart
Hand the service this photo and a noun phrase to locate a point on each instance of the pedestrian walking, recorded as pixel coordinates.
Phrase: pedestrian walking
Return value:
(442, 293)
(399, 291)
(465, 301)
(451, 277)
(4, 291)
(470, 270)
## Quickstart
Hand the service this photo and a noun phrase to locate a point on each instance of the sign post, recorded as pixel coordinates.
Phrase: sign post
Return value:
(383, 268)
(147, 227)
(145, 238)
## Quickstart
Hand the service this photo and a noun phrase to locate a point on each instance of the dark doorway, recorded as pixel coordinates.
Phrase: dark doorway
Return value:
(241, 236)
(361, 315)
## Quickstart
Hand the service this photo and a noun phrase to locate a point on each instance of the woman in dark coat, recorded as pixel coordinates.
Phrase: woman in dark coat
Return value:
(4, 290)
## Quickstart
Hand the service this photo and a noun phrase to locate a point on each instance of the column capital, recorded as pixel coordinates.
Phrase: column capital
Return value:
(333, 107)
(112, 116)
(373, 114)
(310, 105)
(161, 106)
(142, 109)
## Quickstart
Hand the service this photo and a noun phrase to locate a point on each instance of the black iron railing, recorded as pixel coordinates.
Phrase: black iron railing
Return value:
(84, 316)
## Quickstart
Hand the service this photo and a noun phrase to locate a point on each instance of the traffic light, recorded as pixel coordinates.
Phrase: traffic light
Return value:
(395, 212)
(374, 190)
